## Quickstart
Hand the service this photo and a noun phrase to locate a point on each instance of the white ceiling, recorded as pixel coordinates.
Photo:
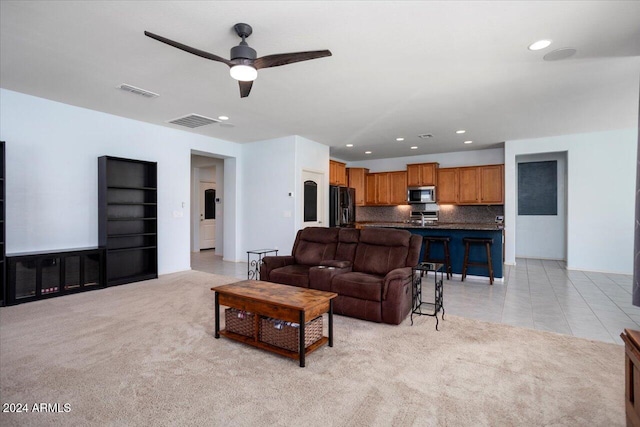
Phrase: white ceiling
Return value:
(399, 69)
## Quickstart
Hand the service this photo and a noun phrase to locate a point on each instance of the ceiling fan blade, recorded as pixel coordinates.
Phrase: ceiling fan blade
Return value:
(288, 58)
(198, 52)
(245, 88)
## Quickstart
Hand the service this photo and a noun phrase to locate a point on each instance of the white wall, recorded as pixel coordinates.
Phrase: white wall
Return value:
(544, 236)
(446, 160)
(601, 192)
(268, 176)
(52, 175)
(270, 171)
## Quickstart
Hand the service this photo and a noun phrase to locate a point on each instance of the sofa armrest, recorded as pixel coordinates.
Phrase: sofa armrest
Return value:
(396, 278)
(270, 263)
(335, 263)
(320, 277)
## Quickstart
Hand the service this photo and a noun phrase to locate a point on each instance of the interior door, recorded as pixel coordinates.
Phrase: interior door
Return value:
(207, 215)
(313, 206)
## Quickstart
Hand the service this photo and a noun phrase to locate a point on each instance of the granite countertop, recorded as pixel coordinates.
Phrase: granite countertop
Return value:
(437, 225)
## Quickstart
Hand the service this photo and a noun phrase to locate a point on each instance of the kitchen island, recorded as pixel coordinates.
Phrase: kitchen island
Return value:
(456, 232)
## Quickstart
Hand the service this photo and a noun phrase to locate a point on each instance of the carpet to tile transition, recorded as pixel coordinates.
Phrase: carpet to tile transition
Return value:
(144, 354)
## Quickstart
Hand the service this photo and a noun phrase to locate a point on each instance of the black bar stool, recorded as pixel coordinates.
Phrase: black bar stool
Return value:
(427, 252)
(468, 241)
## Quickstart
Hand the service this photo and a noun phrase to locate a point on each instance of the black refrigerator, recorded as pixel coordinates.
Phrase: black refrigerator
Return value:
(342, 208)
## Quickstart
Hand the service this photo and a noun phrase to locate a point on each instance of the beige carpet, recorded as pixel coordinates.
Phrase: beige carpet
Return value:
(144, 354)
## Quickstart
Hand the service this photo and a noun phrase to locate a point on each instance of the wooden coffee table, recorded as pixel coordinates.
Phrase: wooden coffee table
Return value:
(282, 302)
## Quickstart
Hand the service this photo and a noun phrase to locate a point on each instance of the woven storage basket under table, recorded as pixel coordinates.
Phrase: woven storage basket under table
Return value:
(284, 335)
(239, 322)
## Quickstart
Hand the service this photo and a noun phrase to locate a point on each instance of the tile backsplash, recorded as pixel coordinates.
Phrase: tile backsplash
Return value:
(383, 213)
(475, 214)
(448, 213)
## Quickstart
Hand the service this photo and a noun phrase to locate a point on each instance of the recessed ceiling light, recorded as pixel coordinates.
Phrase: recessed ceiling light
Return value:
(468, 142)
(349, 145)
(540, 44)
(414, 148)
(399, 139)
(367, 152)
(223, 117)
(461, 131)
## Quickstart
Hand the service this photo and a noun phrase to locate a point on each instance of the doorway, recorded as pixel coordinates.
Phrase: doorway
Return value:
(207, 229)
(541, 206)
(207, 203)
(313, 199)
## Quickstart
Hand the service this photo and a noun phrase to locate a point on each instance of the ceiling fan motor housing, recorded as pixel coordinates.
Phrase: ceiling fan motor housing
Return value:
(243, 51)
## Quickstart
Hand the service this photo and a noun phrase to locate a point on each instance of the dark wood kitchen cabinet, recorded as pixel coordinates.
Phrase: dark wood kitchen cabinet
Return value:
(127, 219)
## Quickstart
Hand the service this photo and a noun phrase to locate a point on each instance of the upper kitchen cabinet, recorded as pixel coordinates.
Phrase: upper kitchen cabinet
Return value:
(386, 189)
(447, 190)
(337, 173)
(468, 181)
(357, 179)
(419, 174)
(377, 189)
(492, 184)
(398, 188)
(475, 185)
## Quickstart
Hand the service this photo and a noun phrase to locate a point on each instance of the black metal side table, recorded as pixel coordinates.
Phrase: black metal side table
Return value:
(253, 269)
(433, 308)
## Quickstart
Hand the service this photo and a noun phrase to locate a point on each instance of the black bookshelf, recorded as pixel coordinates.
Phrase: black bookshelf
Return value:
(127, 223)
(3, 228)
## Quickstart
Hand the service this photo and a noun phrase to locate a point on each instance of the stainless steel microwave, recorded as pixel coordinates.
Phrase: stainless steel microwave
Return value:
(421, 194)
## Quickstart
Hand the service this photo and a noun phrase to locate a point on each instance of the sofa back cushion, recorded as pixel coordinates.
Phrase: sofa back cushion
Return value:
(381, 250)
(347, 243)
(315, 244)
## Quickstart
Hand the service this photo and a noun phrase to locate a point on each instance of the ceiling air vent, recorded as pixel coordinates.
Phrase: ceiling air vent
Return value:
(193, 121)
(425, 136)
(138, 91)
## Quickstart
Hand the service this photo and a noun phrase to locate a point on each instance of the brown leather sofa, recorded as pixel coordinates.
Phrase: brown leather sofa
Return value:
(369, 269)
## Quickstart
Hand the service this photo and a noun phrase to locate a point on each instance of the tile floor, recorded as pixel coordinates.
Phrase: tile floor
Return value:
(536, 294)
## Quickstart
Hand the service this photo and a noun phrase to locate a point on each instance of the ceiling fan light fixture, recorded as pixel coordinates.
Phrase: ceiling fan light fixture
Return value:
(540, 44)
(243, 73)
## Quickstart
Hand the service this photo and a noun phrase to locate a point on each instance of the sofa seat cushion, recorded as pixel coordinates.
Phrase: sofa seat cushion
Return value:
(295, 275)
(358, 285)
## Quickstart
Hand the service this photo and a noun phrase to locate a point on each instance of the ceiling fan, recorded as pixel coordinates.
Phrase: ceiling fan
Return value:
(243, 64)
